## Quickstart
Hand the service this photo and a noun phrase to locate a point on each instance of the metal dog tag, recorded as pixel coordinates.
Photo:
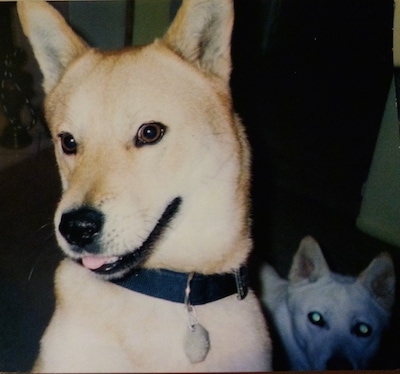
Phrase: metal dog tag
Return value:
(197, 343)
(197, 340)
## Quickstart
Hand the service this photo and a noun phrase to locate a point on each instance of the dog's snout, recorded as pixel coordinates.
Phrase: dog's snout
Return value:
(80, 227)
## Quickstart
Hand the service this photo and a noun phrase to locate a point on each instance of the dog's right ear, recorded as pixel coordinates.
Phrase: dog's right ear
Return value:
(201, 34)
(54, 43)
(308, 262)
(380, 280)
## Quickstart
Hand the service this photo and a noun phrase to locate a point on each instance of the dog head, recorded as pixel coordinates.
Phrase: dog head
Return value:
(153, 161)
(338, 321)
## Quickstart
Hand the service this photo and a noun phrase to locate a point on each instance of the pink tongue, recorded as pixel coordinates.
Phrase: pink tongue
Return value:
(94, 263)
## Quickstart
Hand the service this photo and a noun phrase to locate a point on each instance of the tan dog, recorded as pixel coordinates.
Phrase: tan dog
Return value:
(154, 217)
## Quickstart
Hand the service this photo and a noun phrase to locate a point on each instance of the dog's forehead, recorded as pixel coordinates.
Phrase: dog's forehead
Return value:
(136, 82)
(138, 71)
(339, 293)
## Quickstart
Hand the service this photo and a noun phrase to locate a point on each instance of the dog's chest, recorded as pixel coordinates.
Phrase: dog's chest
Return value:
(115, 329)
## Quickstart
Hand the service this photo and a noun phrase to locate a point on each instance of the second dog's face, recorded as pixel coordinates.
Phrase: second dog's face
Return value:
(337, 323)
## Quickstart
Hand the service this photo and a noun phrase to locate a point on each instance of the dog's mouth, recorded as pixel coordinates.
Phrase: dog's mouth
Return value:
(112, 267)
(101, 264)
(115, 267)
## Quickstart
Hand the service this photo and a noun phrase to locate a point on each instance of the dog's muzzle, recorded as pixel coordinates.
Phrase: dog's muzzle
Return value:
(82, 228)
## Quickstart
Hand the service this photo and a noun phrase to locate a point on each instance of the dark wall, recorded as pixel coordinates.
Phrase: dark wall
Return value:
(313, 99)
(5, 28)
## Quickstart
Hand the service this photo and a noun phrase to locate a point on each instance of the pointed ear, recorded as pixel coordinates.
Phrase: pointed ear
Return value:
(309, 262)
(54, 43)
(380, 280)
(201, 34)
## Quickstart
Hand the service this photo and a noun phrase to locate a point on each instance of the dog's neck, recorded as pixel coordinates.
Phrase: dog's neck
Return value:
(173, 286)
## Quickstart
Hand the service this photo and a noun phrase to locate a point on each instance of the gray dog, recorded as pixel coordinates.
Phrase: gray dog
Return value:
(326, 320)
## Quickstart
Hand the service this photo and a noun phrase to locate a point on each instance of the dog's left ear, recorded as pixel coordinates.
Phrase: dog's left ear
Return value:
(54, 43)
(380, 280)
(308, 262)
(201, 34)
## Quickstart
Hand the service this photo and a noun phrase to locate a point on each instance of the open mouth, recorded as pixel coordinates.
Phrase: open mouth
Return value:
(119, 266)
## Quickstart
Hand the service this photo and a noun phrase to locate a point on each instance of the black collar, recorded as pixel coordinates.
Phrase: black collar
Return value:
(171, 286)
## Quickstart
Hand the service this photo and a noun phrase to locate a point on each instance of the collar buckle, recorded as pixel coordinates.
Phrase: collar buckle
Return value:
(241, 278)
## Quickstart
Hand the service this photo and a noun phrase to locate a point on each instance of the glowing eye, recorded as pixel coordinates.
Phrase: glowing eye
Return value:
(362, 330)
(316, 319)
(149, 133)
(68, 143)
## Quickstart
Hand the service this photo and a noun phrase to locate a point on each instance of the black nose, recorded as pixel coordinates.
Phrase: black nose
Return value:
(80, 227)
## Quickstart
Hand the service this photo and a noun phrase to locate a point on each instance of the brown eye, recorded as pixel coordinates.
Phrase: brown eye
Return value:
(68, 143)
(149, 133)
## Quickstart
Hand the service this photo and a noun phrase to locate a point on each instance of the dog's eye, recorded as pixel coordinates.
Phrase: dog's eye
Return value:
(149, 133)
(68, 143)
(316, 319)
(362, 330)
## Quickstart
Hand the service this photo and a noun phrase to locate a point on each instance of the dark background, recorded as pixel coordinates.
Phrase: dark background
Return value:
(310, 81)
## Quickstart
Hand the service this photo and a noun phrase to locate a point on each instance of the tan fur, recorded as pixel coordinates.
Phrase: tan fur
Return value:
(102, 98)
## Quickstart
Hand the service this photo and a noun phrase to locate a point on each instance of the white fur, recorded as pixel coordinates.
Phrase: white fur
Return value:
(342, 301)
(102, 99)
